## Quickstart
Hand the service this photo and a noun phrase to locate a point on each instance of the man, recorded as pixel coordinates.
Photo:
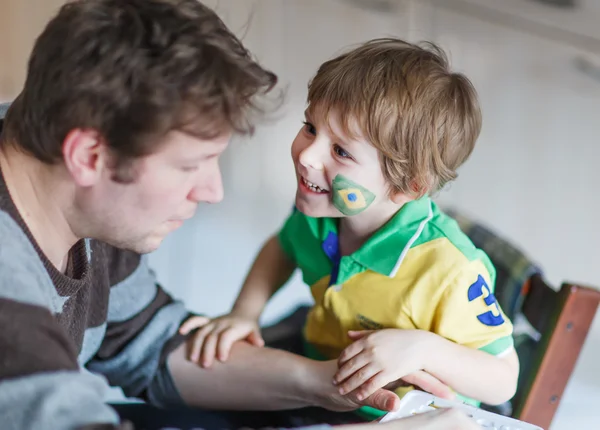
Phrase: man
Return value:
(111, 144)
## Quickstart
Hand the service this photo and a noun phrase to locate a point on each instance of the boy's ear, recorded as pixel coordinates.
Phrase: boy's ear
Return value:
(399, 198)
(418, 190)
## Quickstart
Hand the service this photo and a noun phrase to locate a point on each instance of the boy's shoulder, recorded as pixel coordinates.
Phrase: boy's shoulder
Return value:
(446, 230)
(441, 246)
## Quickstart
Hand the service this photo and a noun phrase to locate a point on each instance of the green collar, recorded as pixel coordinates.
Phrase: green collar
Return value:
(384, 251)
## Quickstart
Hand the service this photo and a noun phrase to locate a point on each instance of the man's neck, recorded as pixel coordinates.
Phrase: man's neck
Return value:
(36, 193)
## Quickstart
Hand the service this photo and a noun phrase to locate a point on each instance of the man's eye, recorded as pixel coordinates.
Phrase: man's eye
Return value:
(189, 168)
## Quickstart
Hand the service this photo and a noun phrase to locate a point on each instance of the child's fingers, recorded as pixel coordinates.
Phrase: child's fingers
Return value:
(256, 339)
(209, 349)
(431, 384)
(226, 340)
(350, 367)
(374, 383)
(359, 378)
(196, 347)
(192, 323)
(355, 335)
(199, 339)
(351, 350)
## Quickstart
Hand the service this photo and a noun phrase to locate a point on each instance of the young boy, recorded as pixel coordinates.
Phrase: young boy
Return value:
(398, 288)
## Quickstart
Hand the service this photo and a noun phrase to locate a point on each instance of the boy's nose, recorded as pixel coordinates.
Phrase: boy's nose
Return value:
(312, 157)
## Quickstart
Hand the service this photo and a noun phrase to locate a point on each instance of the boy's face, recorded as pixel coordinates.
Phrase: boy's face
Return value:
(337, 175)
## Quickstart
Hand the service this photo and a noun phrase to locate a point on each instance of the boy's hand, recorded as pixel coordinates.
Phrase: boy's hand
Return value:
(377, 358)
(216, 336)
(423, 381)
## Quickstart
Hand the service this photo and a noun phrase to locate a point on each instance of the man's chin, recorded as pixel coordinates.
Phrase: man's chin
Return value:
(146, 246)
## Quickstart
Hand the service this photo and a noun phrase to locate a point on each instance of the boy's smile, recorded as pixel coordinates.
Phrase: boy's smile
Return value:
(310, 188)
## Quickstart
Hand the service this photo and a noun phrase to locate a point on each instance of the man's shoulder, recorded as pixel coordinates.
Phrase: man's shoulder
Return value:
(23, 276)
(15, 246)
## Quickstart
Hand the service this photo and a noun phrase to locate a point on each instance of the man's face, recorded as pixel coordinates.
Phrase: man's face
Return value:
(167, 188)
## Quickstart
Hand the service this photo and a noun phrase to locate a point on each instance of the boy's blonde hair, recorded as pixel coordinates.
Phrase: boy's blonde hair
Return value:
(423, 119)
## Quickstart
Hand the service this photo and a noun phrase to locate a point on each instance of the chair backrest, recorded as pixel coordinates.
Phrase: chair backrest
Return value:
(550, 326)
(563, 319)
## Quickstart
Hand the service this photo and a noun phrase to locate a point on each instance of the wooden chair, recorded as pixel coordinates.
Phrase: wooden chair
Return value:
(563, 319)
(551, 325)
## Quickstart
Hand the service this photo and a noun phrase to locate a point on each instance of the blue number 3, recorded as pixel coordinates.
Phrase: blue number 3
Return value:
(492, 317)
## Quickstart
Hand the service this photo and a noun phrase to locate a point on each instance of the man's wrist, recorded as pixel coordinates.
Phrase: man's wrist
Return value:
(315, 382)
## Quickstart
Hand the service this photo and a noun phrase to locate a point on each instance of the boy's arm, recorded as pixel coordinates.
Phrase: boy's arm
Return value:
(473, 373)
(474, 352)
(270, 271)
(214, 339)
(465, 341)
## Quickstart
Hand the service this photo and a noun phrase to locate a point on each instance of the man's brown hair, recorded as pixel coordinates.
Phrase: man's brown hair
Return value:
(423, 118)
(134, 70)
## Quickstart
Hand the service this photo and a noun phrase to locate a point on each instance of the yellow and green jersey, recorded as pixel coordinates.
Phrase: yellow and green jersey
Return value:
(418, 271)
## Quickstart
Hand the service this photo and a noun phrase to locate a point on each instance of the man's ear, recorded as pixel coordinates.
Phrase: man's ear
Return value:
(85, 156)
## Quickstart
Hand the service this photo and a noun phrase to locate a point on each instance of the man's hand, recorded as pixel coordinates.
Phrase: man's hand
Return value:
(215, 337)
(378, 358)
(328, 397)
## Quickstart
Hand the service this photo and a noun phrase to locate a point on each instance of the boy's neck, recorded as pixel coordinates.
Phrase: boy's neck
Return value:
(354, 231)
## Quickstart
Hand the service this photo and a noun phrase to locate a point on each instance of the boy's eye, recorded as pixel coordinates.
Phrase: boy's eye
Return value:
(340, 152)
(310, 128)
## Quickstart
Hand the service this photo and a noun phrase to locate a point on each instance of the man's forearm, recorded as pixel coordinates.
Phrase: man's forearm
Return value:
(251, 379)
(265, 379)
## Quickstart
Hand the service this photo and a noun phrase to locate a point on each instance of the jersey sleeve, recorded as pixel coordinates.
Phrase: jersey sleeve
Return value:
(469, 314)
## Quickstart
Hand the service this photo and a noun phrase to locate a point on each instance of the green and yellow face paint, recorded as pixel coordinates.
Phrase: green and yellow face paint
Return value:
(349, 197)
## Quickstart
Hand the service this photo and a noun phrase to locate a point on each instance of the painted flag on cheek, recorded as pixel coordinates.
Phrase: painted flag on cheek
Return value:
(349, 197)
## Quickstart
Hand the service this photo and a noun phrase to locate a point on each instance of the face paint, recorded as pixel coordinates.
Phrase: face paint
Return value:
(349, 197)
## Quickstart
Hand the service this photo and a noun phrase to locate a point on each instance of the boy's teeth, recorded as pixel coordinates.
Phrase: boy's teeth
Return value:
(312, 186)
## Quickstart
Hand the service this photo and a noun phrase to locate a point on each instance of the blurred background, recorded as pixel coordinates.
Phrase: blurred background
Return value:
(533, 176)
